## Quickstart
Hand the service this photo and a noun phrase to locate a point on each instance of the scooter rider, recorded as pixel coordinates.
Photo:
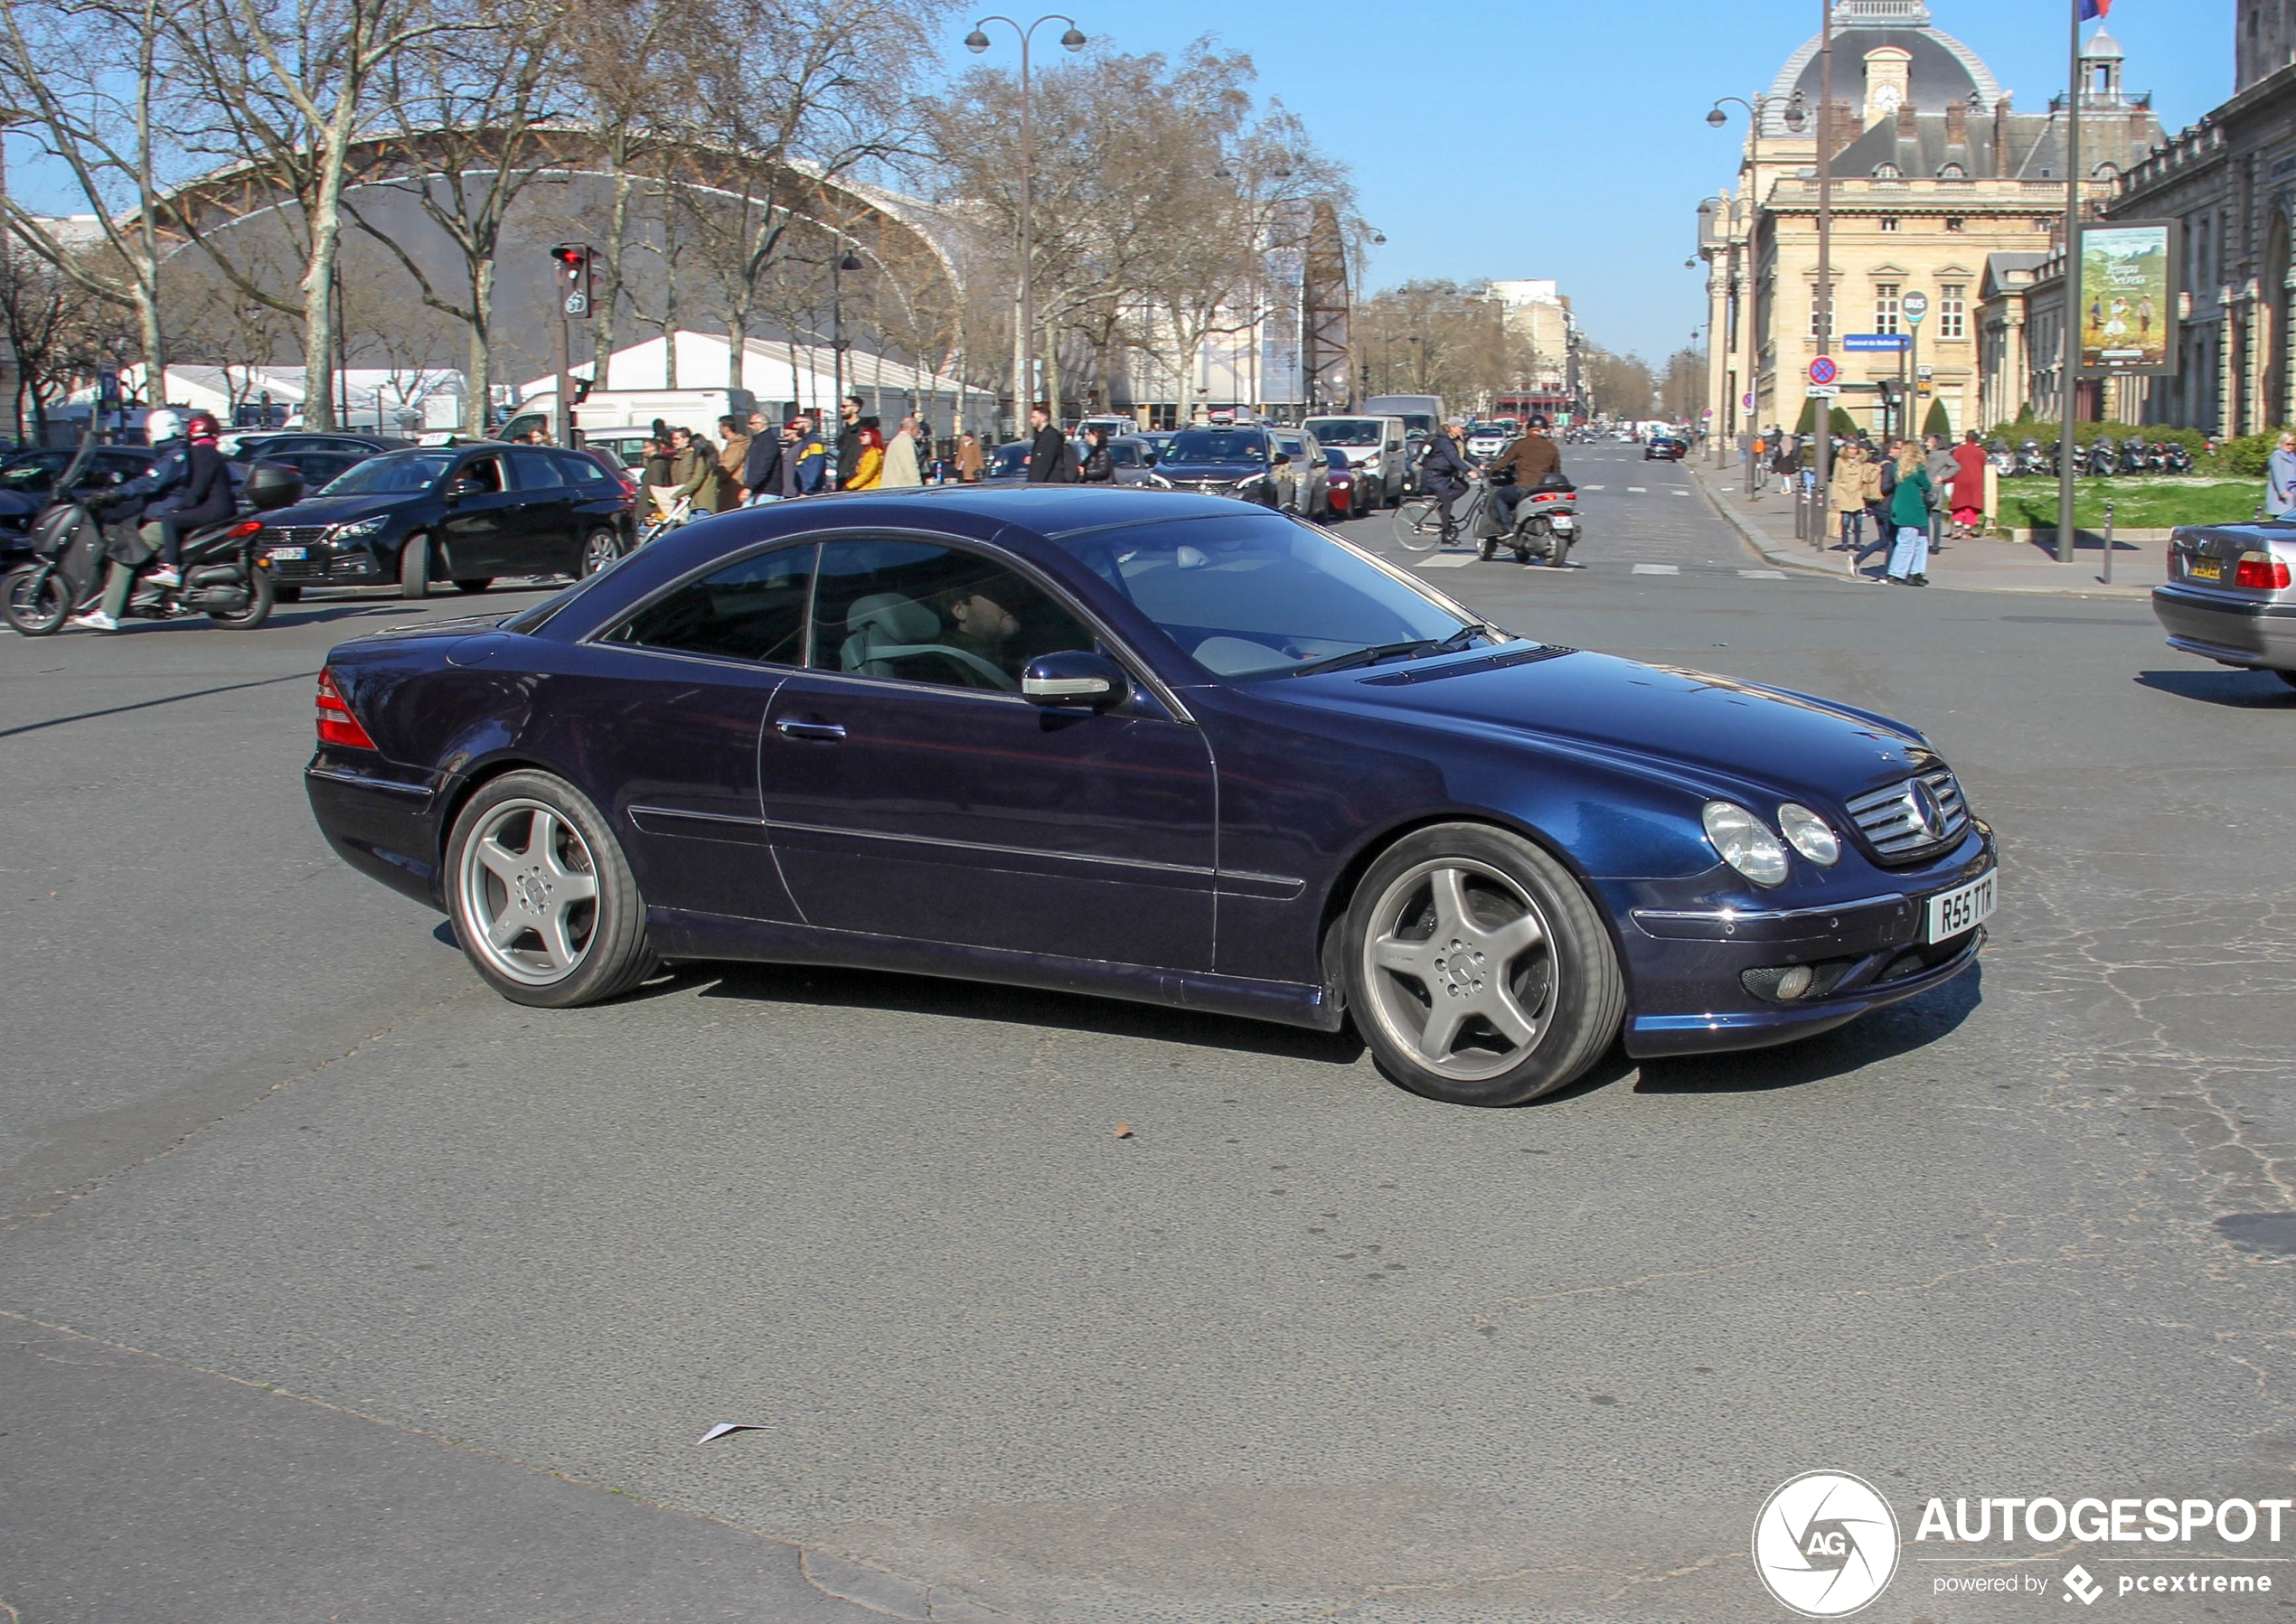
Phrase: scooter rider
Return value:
(188, 487)
(1530, 459)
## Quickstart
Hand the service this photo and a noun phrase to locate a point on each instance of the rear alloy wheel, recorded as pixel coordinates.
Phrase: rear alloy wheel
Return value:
(414, 567)
(544, 904)
(599, 548)
(1477, 970)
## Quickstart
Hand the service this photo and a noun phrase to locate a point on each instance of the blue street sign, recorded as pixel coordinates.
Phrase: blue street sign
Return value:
(1892, 342)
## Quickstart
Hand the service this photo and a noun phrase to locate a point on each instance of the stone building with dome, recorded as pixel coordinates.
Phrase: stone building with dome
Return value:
(1932, 169)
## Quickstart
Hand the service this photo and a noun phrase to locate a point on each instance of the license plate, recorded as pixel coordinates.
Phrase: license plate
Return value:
(286, 552)
(1961, 908)
(2205, 569)
(1564, 521)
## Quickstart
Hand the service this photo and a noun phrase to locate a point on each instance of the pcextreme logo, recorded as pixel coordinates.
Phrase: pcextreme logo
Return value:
(1826, 1544)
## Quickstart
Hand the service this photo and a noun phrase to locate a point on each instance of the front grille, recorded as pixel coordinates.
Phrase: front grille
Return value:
(292, 535)
(1912, 818)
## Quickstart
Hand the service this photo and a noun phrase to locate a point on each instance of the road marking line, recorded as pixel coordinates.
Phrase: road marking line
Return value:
(1592, 487)
(1657, 570)
(1763, 574)
(1640, 489)
(1672, 492)
(1447, 562)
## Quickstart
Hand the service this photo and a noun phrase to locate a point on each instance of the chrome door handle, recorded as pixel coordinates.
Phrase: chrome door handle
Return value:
(796, 729)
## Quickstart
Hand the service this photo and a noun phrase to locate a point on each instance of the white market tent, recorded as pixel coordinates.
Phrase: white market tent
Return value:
(780, 375)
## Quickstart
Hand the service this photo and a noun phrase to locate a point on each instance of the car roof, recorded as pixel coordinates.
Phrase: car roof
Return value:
(1049, 511)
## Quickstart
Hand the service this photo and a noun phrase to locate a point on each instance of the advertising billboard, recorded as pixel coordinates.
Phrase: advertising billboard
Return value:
(2128, 307)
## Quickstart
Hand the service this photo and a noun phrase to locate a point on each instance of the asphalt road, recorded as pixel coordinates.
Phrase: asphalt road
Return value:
(340, 1289)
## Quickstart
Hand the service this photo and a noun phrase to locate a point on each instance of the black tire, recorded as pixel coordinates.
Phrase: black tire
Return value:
(1563, 987)
(414, 567)
(288, 595)
(474, 583)
(1487, 548)
(615, 954)
(35, 600)
(260, 595)
(600, 547)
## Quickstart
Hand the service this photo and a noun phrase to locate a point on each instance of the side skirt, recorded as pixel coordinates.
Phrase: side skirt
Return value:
(680, 934)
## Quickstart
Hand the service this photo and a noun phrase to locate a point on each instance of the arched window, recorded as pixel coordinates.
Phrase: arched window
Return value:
(1952, 172)
(1887, 172)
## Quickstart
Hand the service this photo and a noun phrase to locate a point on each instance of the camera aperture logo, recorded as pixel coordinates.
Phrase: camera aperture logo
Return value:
(1826, 1544)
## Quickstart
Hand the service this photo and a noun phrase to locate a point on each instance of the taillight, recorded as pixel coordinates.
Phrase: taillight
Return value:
(247, 528)
(337, 726)
(2261, 571)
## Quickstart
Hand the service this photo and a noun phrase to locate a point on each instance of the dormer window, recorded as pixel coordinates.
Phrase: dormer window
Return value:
(1889, 222)
(1887, 172)
(1954, 222)
(1952, 171)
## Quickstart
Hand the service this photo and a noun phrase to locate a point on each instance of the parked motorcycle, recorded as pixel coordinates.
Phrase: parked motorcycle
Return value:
(2031, 463)
(224, 575)
(2175, 458)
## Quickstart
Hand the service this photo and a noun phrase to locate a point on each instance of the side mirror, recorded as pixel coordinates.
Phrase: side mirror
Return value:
(1075, 680)
(1148, 459)
(457, 489)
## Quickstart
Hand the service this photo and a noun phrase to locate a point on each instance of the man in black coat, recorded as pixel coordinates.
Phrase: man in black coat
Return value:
(848, 440)
(761, 467)
(1049, 463)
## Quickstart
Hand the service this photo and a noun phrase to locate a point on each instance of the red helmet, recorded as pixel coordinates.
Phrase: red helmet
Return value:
(201, 426)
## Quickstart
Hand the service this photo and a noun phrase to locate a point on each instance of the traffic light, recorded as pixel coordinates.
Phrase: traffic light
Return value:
(573, 275)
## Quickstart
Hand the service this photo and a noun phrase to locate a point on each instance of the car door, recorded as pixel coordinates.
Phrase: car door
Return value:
(670, 703)
(911, 792)
(479, 525)
(597, 498)
(544, 514)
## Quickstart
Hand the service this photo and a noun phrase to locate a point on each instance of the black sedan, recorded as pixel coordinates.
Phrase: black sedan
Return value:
(464, 513)
(1664, 447)
(28, 477)
(320, 457)
(1151, 745)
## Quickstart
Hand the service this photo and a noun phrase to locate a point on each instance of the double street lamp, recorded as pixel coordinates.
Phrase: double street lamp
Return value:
(1024, 337)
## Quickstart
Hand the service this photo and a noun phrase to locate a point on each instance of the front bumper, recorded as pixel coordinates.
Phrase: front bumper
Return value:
(1684, 960)
(2221, 626)
(324, 564)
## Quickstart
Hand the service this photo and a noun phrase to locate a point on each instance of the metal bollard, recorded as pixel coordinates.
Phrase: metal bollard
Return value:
(2108, 540)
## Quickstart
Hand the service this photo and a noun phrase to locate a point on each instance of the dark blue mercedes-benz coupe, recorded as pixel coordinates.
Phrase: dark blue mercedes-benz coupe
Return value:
(1150, 745)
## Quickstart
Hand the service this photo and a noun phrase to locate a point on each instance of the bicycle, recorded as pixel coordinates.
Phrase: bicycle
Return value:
(1419, 519)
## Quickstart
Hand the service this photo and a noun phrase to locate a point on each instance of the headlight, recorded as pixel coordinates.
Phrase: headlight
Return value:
(357, 530)
(1370, 465)
(1744, 842)
(1809, 834)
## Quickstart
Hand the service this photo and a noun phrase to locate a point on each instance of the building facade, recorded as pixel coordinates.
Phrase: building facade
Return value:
(2229, 182)
(1932, 172)
(1538, 318)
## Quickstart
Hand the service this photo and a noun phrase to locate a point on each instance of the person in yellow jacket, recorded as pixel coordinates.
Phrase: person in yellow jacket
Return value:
(869, 468)
(1847, 496)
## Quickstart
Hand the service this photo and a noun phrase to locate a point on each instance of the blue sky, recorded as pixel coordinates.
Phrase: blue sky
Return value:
(1538, 138)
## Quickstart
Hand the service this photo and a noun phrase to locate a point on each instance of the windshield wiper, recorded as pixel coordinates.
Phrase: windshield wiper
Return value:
(1421, 646)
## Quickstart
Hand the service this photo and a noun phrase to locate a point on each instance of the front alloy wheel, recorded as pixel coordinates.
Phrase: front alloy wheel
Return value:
(543, 903)
(1480, 974)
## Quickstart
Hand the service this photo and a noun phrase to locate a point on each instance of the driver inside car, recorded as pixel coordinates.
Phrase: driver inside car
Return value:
(981, 625)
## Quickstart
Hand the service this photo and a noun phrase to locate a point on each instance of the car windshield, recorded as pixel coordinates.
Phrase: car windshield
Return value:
(36, 473)
(1007, 461)
(1218, 445)
(408, 471)
(1347, 431)
(1255, 595)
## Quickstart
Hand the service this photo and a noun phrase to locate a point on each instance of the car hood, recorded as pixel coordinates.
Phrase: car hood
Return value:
(1722, 728)
(341, 509)
(1223, 472)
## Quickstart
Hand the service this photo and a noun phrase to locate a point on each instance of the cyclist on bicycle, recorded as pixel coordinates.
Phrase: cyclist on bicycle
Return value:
(1527, 461)
(1443, 472)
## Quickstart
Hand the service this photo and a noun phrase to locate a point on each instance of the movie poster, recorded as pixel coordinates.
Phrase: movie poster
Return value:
(2128, 302)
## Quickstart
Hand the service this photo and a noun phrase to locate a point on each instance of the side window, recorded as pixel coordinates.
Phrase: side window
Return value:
(752, 610)
(580, 471)
(485, 472)
(535, 469)
(1125, 456)
(929, 613)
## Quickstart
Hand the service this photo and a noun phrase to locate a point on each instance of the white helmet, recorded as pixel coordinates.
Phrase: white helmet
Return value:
(165, 424)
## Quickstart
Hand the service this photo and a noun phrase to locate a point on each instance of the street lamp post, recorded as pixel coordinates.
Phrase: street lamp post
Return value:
(1024, 336)
(846, 261)
(1795, 118)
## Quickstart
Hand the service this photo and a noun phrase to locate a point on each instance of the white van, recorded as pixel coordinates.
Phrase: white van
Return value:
(1376, 450)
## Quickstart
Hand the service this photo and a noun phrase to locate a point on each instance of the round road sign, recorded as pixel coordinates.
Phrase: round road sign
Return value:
(1915, 305)
(1746, 401)
(1823, 370)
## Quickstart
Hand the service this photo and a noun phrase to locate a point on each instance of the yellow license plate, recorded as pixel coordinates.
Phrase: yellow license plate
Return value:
(2205, 569)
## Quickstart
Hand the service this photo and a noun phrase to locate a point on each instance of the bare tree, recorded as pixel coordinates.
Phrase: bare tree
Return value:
(87, 78)
(287, 88)
(467, 109)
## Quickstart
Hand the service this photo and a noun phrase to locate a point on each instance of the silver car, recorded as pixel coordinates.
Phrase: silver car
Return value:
(2228, 596)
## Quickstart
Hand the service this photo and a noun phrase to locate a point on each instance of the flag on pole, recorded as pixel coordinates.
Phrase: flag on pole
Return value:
(2093, 11)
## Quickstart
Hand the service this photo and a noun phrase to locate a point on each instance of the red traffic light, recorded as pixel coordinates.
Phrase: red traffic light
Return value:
(574, 258)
